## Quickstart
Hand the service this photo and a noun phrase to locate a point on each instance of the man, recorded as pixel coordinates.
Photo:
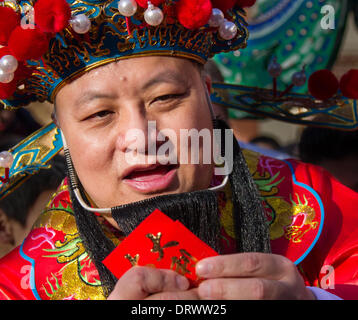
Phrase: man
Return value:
(117, 183)
(99, 108)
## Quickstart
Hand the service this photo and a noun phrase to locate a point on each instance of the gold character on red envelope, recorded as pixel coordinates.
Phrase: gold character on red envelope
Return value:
(133, 260)
(148, 245)
(180, 264)
(156, 244)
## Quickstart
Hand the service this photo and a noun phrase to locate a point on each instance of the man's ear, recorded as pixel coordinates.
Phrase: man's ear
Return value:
(54, 115)
(54, 119)
(6, 232)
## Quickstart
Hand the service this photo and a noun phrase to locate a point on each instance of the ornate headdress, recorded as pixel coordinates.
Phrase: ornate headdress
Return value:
(59, 40)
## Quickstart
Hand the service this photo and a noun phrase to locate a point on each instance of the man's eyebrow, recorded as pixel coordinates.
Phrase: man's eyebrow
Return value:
(164, 77)
(91, 95)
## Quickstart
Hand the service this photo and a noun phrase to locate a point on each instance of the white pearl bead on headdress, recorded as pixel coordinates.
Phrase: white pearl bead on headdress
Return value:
(299, 78)
(81, 23)
(6, 159)
(8, 64)
(227, 30)
(127, 8)
(153, 15)
(6, 77)
(217, 17)
(274, 68)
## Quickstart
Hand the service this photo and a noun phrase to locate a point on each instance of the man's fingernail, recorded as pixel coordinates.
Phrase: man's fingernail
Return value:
(182, 282)
(204, 268)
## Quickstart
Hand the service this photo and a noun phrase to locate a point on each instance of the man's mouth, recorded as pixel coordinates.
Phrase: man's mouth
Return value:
(150, 179)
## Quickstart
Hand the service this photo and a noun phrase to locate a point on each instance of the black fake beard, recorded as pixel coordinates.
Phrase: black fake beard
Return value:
(198, 211)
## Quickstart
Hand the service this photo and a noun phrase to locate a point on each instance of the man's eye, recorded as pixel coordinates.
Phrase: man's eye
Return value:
(100, 114)
(168, 97)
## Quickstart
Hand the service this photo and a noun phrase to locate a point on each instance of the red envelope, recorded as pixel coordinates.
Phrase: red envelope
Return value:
(162, 243)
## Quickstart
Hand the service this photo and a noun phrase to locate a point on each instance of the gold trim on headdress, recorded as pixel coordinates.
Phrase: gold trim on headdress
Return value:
(98, 64)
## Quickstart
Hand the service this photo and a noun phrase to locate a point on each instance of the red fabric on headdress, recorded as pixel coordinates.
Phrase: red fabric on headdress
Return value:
(224, 5)
(52, 16)
(144, 3)
(193, 14)
(4, 51)
(245, 3)
(26, 44)
(9, 20)
(23, 72)
(323, 84)
(7, 89)
(349, 84)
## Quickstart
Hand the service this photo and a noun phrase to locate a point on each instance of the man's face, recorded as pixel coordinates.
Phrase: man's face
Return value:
(97, 111)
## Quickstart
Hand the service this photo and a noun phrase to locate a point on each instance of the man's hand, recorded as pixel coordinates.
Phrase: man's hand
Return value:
(247, 276)
(153, 284)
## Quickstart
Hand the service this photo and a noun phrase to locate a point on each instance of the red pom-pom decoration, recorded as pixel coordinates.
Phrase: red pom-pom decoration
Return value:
(224, 5)
(323, 84)
(349, 84)
(193, 14)
(27, 44)
(245, 3)
(52, 15)
(9, 20)
(144, 3)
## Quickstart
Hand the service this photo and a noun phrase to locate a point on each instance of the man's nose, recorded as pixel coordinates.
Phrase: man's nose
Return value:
(137, 132)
